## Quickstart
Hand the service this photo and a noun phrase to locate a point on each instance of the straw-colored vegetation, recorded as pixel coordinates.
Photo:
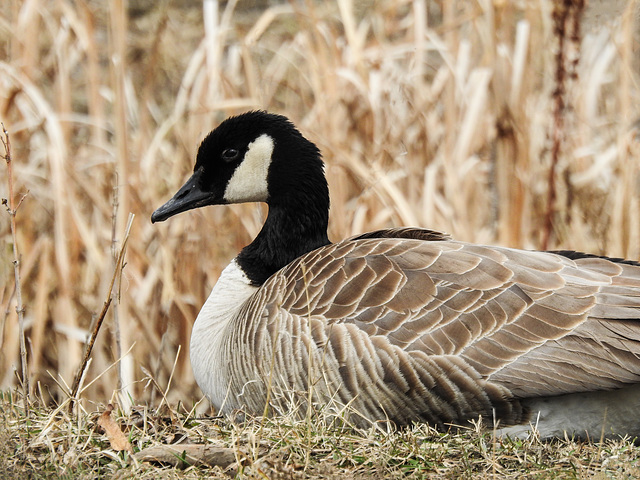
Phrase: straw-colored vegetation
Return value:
(55, 445)
(461, 116)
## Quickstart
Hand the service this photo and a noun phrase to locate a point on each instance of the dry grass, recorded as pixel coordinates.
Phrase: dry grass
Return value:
(442, 119)
(59, 446)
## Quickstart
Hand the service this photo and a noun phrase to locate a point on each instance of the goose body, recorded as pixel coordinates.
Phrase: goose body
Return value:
(401, 325)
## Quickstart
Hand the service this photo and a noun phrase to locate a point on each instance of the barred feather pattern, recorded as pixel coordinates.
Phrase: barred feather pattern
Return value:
(408, 325)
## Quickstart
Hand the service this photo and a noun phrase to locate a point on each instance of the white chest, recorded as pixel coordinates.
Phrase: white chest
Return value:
(211, 330)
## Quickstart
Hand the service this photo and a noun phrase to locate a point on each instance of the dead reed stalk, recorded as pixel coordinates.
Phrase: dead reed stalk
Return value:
(118, 48)
(566, 27)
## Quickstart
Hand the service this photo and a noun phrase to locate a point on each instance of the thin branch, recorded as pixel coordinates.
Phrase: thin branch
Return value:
(103, 313)
(12, 208)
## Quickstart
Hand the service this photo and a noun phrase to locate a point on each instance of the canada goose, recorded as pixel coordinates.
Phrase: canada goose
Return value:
(401, 325)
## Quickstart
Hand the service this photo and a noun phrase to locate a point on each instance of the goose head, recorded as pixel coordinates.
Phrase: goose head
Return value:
(261, 157)
(253, 157)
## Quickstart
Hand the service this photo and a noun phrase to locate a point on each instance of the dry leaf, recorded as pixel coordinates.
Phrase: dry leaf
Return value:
(117, 439)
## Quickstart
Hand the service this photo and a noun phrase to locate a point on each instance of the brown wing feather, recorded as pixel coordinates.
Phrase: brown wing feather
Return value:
(443, 331)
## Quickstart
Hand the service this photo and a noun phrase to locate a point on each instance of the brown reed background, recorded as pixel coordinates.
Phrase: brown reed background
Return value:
(445, 115)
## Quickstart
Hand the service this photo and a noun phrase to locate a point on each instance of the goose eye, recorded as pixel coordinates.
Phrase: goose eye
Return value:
(230, 154)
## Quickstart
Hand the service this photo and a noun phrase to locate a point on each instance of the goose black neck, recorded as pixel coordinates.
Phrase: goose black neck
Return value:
(295, 225)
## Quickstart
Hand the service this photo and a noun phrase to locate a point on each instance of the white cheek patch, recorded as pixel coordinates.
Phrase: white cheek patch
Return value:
(249, 182)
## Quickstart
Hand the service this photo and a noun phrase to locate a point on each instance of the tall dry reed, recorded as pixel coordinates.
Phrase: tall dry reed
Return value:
(428, 117)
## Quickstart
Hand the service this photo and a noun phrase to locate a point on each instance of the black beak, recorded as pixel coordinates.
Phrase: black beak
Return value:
(188, 197)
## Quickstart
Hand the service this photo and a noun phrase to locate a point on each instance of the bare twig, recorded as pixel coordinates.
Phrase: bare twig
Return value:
(12, 208)
(103, 313)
